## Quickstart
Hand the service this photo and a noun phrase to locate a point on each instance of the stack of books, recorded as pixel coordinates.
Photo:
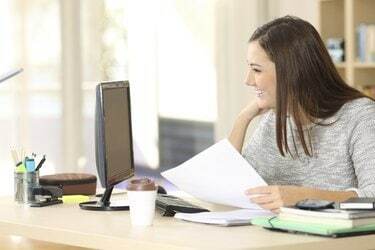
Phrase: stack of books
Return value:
(326, 222)
(329, 217)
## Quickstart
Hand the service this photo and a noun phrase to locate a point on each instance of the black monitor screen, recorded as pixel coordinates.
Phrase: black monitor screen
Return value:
(118, 135)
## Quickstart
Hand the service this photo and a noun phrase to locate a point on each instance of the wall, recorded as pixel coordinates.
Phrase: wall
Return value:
(235, 22)
(307, 9)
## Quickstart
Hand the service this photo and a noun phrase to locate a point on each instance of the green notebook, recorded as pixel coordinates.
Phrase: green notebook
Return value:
(316, 229)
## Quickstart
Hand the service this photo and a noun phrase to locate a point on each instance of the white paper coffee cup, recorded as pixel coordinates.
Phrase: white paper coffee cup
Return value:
(141, 197)
(142, 207)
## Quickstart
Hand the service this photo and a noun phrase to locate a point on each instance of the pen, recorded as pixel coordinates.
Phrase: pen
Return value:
(41, 163)
(14, 156)
(10, 74)
(20, 167)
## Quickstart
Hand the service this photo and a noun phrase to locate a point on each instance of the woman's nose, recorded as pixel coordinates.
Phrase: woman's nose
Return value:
(250, 81)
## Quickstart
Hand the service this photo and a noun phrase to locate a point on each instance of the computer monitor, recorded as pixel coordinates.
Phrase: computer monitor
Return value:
(113, 141)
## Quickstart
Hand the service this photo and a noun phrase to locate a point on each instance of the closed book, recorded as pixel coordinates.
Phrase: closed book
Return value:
(358, 203)
(347, 223)
(311, 228)
(330, 213)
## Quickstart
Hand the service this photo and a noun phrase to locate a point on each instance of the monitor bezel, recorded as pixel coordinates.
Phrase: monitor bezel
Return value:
(112, 85)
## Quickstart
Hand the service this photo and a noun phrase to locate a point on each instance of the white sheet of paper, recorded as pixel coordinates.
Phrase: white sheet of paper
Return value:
(219, 174)
(228, 218)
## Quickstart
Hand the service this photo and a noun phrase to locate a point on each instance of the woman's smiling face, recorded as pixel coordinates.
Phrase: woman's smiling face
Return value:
(261, 75)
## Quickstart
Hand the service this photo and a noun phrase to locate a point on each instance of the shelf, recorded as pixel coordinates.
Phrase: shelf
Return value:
(340, 19)
(364, 65)
(332, 19)
(340, 65)
(364, 76)
(363, 11)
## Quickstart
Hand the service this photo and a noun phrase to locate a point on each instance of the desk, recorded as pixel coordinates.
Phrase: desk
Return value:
(67, 224)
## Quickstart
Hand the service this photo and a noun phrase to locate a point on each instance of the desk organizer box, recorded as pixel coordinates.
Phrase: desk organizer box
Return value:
(71, 183)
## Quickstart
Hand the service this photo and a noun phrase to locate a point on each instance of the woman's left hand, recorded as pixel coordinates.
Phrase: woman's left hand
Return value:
(274, 197)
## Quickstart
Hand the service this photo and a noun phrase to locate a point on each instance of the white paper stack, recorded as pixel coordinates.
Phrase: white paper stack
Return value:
(230, 218)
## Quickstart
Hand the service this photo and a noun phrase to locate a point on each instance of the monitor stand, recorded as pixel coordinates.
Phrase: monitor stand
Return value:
(104, 204)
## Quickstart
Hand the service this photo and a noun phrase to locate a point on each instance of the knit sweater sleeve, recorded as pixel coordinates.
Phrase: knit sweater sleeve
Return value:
(362, 151)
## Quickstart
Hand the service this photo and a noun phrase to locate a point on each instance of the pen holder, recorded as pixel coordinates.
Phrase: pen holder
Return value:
(23, 186)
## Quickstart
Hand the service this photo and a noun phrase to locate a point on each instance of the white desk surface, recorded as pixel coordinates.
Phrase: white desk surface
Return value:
(67, 224)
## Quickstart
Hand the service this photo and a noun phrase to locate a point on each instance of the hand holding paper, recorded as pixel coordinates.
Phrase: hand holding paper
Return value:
(219, 174)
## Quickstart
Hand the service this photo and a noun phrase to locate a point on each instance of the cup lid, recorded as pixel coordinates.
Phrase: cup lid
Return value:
(143, 184)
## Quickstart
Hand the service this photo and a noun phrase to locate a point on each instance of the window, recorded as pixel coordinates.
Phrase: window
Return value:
(104, 55)
(32, 104)
(67, 47)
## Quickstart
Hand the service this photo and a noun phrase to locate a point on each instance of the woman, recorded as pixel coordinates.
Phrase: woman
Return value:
(316, 137)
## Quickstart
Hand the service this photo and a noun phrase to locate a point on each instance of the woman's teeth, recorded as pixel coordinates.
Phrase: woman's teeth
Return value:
(259, 92)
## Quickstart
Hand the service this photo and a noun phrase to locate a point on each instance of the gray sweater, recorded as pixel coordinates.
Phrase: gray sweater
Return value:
(343, 153)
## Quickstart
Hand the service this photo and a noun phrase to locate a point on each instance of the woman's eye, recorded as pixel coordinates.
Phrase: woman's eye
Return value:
(256, 70)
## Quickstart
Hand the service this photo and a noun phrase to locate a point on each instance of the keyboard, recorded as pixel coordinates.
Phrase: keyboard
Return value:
(170, 205)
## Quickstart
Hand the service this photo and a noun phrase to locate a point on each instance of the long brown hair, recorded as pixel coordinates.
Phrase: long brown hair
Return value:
(308, 84)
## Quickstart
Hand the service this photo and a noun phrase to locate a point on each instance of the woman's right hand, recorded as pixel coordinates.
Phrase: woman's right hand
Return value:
(251, 110)
(243, 120)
